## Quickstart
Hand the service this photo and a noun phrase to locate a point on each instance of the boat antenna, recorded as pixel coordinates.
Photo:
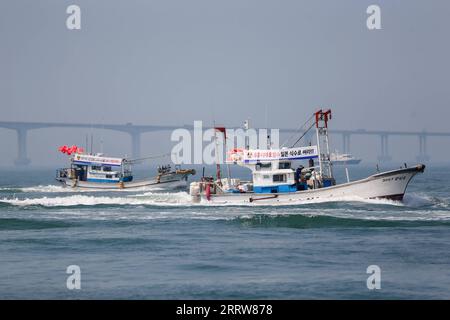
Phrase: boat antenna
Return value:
(246, 138)
(217, 153)
(266, 115)
(101, 139)
(87, 145)
(269, 143)
(228, 165)
(92, 143)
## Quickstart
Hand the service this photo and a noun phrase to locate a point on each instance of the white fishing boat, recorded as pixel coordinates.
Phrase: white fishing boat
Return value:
(344, 159)
(95, 171)
(275, 180)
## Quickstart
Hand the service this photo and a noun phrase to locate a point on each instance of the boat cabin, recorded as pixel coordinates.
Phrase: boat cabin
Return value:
(97, 168)
(273, 177)
(273, 170)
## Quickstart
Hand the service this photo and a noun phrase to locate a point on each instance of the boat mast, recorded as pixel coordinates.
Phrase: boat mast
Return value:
(323, 146)
(225, 146)
(246, 138)
(217, 154)
(224, 132)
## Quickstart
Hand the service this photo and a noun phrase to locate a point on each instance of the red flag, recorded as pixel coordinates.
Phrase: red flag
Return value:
(72, 149)
(63, 149)
(69, 150)
(223, 130)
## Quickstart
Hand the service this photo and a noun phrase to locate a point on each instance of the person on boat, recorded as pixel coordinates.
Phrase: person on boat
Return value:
(299, 178)
(311, 164)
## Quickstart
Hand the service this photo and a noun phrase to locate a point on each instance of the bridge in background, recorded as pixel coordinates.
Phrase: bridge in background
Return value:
(135, 132)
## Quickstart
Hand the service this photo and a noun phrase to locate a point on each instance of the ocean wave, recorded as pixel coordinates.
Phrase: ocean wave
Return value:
(168, 198)
(150, 205)
(91, 200)
(10, 190)
(424, 200)
(327, 220)
(182, 198)
(30, 224)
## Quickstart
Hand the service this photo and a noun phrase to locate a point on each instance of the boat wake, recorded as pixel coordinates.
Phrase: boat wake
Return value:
(148, 198)
(60, 189)
(178, 205)
(169, 198)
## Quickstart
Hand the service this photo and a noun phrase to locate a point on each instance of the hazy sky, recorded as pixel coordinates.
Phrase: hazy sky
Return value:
(172, 62)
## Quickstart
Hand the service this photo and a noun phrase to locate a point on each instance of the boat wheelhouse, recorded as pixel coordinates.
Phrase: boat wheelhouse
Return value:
(273, 170)
(98, 168)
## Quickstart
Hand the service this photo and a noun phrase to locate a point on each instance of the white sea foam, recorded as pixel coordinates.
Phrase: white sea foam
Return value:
(60, 189)
(180, 198)
(91, 200)
(47, 189)
(416, 207)
(161, 199)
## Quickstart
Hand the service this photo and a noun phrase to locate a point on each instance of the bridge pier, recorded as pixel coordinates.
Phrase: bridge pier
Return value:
(346, 142)
(22, 159)
(423, 156)
(135, 145)
(384, 156)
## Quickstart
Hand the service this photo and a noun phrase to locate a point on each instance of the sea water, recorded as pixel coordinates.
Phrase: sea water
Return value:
(155, 244)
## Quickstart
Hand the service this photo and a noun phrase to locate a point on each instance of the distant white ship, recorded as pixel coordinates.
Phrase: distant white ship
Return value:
(343, 158)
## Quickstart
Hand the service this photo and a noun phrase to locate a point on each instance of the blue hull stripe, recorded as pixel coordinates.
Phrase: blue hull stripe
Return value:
(290, 158)
(103, 180)
(86, 163)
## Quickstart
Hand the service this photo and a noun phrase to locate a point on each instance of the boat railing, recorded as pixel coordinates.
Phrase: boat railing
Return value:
(65, 173)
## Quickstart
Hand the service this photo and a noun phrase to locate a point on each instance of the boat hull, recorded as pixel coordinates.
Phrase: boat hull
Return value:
(170, 181)
(388, 185)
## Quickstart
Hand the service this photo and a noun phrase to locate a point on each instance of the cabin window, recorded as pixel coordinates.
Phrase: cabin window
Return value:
(284, 165)
(266, 176)
(279, 178)
(260, 165)
(96, 168)
(107, 169)
(108, 176)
